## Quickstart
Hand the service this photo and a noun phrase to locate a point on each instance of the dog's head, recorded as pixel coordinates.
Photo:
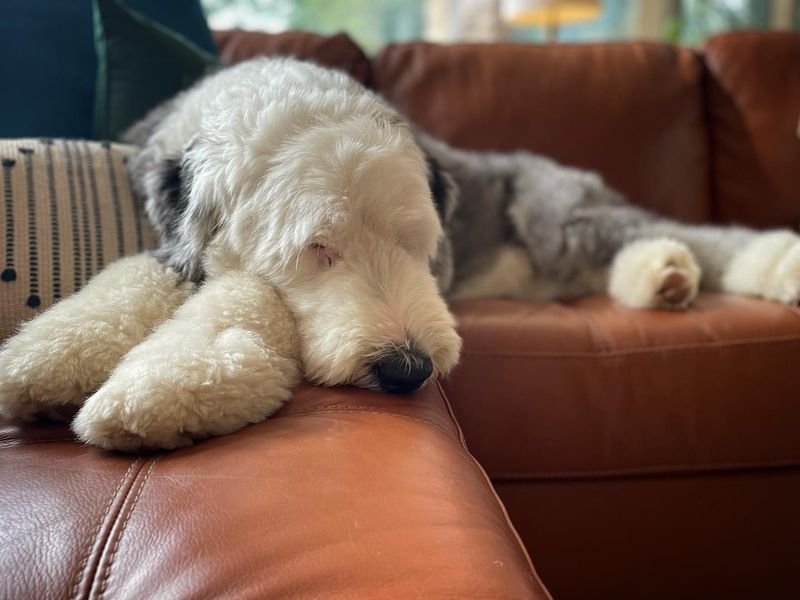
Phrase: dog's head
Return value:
(341, 220)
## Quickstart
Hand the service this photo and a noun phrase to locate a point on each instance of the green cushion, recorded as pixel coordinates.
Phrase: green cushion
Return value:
(139, 65)
(48, 64)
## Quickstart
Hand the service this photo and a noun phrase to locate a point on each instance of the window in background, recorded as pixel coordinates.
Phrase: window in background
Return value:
(372, 23)
(375, 23)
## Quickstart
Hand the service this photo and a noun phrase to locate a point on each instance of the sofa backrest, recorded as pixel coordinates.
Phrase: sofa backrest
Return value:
(754, 116)
(632, 111)
(336, 51)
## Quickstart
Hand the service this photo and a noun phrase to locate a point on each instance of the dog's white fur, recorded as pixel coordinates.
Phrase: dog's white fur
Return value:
(228, 357)
(70, 349)
(657, 273)
(769, 267)
(311, 161)
(301, 180)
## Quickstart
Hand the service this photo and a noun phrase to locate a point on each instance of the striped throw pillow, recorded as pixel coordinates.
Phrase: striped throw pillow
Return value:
(67, 211)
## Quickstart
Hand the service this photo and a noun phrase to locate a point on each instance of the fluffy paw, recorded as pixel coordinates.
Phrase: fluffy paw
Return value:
(768, 267)
(40, 372)
(69, 350)
(659, 273)
(170, 391)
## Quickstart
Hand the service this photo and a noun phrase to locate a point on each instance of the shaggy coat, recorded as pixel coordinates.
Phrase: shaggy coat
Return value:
(306, 229)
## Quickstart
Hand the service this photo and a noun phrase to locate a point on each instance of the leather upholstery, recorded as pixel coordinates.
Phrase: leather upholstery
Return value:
(592, 388)
(632, 111)
(336, 51)
(640, 454)
(629, 443)
(754, 110)
(344, 494)
(702, 536)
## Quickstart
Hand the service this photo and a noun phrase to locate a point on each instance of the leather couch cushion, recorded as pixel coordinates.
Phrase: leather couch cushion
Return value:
(633, 111)
(590, 388)
(730, 535)
(346, 493)
(754, 111)
(336, 51)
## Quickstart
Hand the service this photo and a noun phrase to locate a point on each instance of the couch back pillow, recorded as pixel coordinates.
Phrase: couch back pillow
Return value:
(67, 211)
(48, 64)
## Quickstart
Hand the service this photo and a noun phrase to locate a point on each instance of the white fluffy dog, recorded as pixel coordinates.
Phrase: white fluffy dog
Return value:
(313, 223)
(299, 203)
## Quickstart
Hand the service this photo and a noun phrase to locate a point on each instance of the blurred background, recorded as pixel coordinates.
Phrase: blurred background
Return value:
(374, 23)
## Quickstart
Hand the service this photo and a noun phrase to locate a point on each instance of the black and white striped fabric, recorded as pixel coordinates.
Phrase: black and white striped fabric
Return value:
(67, 211)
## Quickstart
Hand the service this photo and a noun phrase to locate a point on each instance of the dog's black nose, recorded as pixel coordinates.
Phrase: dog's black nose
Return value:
(402, 370)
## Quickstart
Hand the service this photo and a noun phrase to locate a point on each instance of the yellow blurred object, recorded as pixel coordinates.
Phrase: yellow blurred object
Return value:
(549, 13)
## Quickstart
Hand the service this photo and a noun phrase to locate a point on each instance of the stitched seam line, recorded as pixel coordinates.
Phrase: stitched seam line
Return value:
(656, 470)
(449, 408)
(94, 537)
(113, 553)
(492, 492)
(688, 349)
(333, 409)
(15, 443)
(605, 337)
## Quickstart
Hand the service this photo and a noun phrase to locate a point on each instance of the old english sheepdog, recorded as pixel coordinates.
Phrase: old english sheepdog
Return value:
(292, 202)
(271, 177)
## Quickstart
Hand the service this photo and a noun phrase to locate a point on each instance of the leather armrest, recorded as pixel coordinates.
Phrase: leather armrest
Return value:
(345, 493)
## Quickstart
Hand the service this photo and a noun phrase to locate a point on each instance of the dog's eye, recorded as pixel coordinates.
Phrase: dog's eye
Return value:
(326, 256)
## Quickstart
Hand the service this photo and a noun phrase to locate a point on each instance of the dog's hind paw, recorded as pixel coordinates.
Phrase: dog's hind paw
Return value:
(657, 273)
(768, 267)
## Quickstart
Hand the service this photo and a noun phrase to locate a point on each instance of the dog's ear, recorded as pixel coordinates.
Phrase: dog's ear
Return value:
(443, 189)
(184, 219)
(192, 220)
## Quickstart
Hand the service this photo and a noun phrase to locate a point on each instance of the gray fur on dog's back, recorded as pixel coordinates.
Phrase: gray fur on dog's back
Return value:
(568, 221)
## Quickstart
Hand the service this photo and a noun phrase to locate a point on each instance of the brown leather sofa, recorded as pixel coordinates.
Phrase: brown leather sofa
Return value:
(639, 454)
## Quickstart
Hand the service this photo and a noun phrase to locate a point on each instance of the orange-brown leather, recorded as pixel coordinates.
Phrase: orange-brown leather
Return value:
(632, 111)
(697, 537)
(754, 118)
(336, 51)
(344, 494)
(640, 454)
(591, 388)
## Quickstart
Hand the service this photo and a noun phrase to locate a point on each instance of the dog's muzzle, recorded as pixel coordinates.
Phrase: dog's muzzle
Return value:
(402, 370)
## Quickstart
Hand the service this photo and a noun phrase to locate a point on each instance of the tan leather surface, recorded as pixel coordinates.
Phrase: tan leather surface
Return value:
(754, 114)
(592, 388)
(345, 494)
(337, 51)
(690, 538)
(632, 111)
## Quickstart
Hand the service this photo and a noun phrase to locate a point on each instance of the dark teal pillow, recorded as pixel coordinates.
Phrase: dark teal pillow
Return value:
(48, 64)
(140, 64)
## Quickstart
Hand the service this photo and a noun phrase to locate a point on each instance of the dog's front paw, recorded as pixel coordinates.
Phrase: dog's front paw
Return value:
(170, 391)
(40, 373)
(658, 273)
(768, 267)
(117, 419)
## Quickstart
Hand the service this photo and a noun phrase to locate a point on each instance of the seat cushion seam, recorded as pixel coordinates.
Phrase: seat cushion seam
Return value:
(95, 537)
(333, 409)
(661, 350)
(15, 443)
(654, 471)
(112, 555)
